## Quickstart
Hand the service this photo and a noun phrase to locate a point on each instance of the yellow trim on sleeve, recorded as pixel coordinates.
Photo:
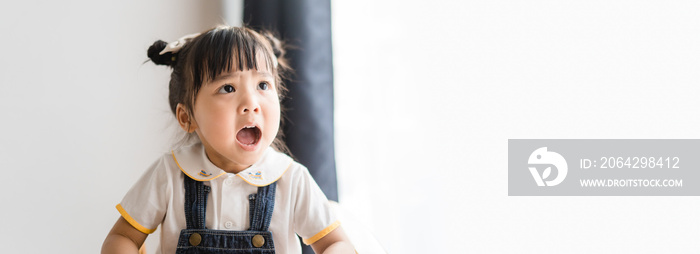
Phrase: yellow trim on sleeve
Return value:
(133, 222)
(323, 233)
(246, 180)
(183, 170)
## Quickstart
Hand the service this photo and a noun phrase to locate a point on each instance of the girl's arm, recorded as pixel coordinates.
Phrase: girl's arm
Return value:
(124, 238)
(334, 242)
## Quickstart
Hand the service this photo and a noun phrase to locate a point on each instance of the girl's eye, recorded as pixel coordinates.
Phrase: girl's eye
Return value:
(263, 86)
(227, 89)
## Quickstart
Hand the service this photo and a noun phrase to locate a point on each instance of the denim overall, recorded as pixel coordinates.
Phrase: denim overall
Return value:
(198, 239)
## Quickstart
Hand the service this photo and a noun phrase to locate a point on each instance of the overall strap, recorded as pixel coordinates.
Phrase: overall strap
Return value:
(261, 206)
(195, 203)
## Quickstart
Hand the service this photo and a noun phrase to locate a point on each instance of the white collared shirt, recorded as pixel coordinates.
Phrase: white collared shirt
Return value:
(157, 198)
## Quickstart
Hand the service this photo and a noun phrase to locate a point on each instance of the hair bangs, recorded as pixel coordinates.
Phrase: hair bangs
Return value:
(229, 49)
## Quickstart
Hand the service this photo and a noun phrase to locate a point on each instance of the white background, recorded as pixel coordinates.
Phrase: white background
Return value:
(427, 95)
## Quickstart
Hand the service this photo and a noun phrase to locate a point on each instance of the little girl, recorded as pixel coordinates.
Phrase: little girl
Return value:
(232, 192)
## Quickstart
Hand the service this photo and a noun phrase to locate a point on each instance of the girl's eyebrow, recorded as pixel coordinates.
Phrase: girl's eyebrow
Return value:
(235, 74)
(265, 74)
(226, 76)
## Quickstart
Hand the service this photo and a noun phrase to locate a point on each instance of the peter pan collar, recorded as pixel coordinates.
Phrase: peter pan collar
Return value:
(193, 161)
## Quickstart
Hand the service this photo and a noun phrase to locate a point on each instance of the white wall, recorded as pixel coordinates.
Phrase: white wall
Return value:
(429, 92)
(82, 117)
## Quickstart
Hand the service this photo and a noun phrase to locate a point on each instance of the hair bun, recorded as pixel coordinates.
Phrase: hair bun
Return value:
(155, 56)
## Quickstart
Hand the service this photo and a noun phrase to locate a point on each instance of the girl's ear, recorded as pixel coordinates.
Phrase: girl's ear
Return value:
(187, 123)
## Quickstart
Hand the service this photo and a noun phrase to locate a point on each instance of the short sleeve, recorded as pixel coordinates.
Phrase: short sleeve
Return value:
(313, 217)
(145, 204)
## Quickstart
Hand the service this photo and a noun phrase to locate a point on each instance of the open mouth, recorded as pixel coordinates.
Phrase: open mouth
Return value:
(249, 136)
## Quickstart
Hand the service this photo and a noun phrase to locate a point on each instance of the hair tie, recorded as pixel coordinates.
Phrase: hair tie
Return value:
(175, 46)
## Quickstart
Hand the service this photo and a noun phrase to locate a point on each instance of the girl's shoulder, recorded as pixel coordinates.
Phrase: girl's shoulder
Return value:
(170, 165)
(163, 168)
(297, 179)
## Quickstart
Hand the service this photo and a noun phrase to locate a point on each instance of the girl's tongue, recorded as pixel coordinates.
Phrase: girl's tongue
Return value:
(248, 136)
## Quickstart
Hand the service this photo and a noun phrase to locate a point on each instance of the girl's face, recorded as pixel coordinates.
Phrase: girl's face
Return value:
(237, 117)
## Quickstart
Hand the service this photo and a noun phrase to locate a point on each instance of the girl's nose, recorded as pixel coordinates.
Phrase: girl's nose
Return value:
(249, 105)
(253, 109)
